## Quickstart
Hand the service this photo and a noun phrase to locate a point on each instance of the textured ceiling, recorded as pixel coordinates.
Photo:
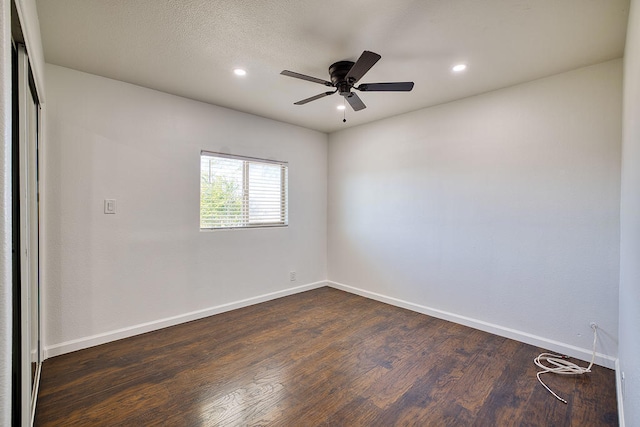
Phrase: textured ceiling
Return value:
(190, 47)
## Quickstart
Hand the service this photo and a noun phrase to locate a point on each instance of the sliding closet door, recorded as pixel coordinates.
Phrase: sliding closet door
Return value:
(29, 286)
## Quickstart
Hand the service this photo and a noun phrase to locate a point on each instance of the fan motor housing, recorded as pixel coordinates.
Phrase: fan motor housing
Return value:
(338, 72)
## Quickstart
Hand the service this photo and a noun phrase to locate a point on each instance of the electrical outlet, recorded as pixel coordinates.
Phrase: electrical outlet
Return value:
(292, 276)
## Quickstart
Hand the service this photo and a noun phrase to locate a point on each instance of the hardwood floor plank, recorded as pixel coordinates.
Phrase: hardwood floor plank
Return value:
(359, 412)
(318, 358)
(512, 389)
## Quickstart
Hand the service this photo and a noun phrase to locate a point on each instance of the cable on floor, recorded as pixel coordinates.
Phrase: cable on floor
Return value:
(557, 364)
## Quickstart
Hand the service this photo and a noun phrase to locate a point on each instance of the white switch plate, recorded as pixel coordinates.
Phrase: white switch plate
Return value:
(110, 206)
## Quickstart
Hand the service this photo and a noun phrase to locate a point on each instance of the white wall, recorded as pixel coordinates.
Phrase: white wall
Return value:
(499, 211)
(5, 213)
(107, 276)
(629, 349)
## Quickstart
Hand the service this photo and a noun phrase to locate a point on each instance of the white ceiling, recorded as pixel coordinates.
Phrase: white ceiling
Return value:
(190, 47)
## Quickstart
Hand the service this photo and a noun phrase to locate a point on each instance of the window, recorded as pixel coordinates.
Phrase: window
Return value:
(242, 192)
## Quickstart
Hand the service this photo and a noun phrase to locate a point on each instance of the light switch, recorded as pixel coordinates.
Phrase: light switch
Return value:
(109, 206)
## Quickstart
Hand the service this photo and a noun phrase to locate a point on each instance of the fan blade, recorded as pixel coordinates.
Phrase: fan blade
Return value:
(355, 101)
(313, 98)
(362, 65)
(386, 87)
(304, 77)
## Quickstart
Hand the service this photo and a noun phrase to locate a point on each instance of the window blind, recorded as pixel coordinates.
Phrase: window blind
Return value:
(242, 192)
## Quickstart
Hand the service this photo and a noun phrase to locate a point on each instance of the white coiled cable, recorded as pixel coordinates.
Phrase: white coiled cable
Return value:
(561, 364)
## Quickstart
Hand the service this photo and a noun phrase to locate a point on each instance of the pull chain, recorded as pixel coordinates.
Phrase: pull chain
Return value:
(344, 111)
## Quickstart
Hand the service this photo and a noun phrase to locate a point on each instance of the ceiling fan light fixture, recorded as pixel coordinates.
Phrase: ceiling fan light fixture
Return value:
(341, 107)
(459, 68)
(239, 72)
(344, 76)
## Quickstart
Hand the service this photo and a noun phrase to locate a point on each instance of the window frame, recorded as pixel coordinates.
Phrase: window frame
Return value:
(246, 222)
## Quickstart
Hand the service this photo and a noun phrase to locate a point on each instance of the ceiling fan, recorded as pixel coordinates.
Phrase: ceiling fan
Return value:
(344, 76)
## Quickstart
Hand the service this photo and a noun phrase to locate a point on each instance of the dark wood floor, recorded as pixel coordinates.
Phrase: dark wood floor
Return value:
(319, 358)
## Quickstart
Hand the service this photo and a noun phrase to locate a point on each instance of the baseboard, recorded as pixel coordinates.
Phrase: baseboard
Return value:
(619, 394)
(86, 342)
(555, 346)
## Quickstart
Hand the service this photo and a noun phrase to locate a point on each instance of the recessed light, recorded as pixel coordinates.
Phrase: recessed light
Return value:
(239, 72)
(459, 67)
(341, 107)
